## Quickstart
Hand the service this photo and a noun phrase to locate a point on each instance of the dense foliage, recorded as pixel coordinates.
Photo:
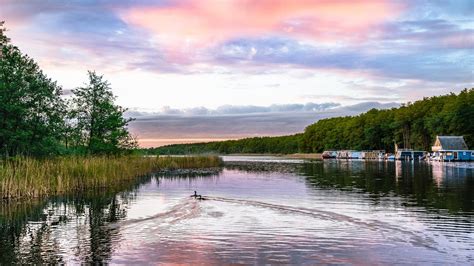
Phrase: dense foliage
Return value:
(31, 109)
(413, 125)
(284, 144)
(98, 124)
(36, 120)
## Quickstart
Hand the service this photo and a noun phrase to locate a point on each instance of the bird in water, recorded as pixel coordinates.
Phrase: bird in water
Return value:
(198, 197)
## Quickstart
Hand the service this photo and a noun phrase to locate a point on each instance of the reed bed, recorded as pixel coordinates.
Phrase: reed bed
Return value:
(26, 177)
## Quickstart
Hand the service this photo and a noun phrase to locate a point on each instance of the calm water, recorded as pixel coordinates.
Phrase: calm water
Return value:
(260, 210)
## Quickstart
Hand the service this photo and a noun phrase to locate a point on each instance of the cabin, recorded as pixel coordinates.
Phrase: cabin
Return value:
(451, 148)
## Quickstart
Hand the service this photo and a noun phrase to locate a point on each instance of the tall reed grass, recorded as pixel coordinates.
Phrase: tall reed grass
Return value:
(26, 177)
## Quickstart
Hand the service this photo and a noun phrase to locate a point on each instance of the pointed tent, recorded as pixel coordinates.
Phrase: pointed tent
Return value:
(449, 143)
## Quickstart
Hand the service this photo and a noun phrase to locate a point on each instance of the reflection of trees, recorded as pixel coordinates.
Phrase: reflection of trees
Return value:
(13, 217)
(190, 173)
(101, 235)
(414, 182)
(418, 184)
(39, 232)
(77, 224)
(32, 232)
(263, 167)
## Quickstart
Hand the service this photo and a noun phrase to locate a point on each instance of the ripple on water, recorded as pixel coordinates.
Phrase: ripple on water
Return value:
(262, 213)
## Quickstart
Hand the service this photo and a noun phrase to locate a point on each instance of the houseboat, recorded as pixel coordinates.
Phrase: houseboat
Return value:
(329, 154)
(451, 148)
(355, 155)
(409, 154)
(344, 154)
(373, 155)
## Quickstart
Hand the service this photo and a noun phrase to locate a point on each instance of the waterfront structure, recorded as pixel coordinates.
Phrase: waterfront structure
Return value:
(373, 155)
(329, 154)
(345, 154)
(353, 154)
(409, 154)
(451, 148)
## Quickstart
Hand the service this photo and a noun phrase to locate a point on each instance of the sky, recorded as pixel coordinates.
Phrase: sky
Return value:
(202, 70)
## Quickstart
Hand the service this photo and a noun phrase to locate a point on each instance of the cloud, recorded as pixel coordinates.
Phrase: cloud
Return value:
(62, 34)
(237, 122)
(346, 98)
(238, 110)
(396, 61)
(422, 34)
(423, 47)
(427, 40)
(432, 9)
(186, 25)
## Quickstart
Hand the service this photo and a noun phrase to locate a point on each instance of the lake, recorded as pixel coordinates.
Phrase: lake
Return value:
(259, 210)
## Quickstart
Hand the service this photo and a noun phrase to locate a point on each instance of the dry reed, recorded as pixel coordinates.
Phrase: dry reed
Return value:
(32, 178)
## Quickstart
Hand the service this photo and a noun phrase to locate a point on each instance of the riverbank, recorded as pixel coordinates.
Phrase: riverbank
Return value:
(315, 156)
(281, 204)
(33, 178)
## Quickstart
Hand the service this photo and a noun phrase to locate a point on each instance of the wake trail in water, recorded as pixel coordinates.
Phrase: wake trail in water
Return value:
(190, 208)
(387, 229)
(186, 209)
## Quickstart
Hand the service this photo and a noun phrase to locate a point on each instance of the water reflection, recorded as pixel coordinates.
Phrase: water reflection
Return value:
(258, 212)
(64, 228)
(433, 185)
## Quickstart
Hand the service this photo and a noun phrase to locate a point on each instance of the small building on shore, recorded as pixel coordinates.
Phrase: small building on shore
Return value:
(345, 154)
(373, 154)
(451, 148)
(408, 154)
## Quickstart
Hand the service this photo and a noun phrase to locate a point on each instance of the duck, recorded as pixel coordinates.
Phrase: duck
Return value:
(198, 197)
(201, 197)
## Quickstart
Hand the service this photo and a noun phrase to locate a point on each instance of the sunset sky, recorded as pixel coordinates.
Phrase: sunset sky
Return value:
(195, 70)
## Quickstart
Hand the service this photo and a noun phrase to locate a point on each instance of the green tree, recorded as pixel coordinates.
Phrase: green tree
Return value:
(100, 124)
(31, 108)
(4, 40)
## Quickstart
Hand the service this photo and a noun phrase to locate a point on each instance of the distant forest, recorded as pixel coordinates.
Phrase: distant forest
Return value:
(412, 125)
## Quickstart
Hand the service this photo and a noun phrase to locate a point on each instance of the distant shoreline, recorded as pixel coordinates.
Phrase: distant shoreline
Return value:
(317, 156)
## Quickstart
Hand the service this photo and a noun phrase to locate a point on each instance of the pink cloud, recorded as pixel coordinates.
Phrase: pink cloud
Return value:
(459, 41)
(192, 24)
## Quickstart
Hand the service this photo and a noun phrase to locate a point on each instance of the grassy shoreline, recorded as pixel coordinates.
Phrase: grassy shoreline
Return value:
(33, 178)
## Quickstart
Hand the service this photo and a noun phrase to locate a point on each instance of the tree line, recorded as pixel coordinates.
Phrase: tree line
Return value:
(412, 125)
(36, 119)
(260, 145)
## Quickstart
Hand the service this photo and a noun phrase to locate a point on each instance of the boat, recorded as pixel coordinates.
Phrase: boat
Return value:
(329, 154)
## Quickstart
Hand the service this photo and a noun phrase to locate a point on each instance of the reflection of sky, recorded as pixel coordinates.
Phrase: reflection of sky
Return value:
(193, 54)
(265, 212)
(260, 215)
